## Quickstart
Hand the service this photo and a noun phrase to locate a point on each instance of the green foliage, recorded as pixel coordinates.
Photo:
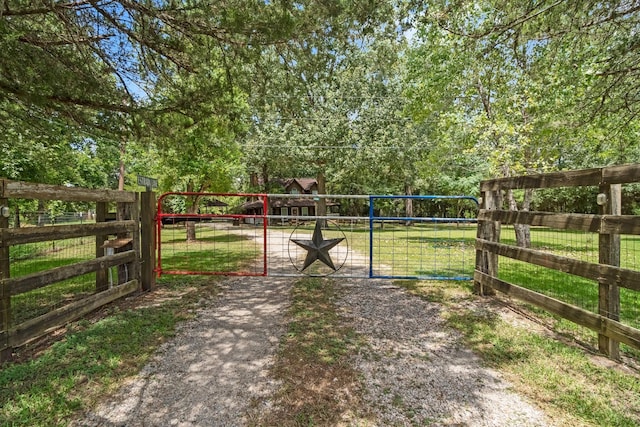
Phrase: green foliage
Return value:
(203, 96)
(524, 87)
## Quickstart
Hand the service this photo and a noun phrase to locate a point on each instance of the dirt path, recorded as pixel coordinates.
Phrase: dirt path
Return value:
(416, 370)
(215, 366)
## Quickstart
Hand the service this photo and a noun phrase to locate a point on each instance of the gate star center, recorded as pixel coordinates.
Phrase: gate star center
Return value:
(318, 248)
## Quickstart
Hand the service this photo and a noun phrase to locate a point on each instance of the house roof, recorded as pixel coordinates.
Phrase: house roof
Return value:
(304, 183)
(214, 203)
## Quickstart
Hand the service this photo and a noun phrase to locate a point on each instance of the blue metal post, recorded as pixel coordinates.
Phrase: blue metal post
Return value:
(370, 236)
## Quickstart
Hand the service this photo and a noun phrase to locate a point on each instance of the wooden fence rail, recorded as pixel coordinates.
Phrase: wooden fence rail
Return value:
(609, 224)
(122, 235)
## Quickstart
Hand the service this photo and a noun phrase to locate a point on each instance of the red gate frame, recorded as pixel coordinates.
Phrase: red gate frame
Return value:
(159, 215)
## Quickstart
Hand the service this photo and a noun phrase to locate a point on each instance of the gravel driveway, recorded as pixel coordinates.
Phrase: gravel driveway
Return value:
(216, 370)
(415, 369)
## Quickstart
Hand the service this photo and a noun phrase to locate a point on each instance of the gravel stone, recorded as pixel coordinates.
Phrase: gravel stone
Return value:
(415, 369)
(215, 367)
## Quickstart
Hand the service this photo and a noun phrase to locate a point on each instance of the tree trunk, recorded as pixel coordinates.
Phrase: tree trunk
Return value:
(253, 181)
(408, 203)
(123, 149)
(321, 203)
(16, 217)
(41, 208)
(192, 208)
(523, 231)
(265, 177)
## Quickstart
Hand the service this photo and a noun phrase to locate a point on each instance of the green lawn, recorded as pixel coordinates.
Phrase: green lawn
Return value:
(96, 355)
(566, 287)
(565, 381)
(422, 250)
(214, 251)
(38, 257)
(446, 250)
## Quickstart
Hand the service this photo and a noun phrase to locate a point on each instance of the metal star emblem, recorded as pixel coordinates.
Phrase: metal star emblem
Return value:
(318, 248)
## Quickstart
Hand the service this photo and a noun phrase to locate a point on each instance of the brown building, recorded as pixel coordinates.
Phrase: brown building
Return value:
(291, 206)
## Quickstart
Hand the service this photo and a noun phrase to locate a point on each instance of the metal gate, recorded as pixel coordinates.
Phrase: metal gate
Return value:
(371, 236)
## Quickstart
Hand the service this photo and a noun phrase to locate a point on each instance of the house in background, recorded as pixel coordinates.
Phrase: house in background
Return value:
(292, 206)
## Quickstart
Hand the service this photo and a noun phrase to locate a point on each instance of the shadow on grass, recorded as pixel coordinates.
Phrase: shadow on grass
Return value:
(47, 390)
(207, 260)
(443, 241)
(480, 330)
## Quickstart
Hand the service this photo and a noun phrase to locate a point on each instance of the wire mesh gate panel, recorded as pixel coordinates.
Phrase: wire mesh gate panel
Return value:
(422, 237)
(418, 237)
(294, 225)
(210, 239)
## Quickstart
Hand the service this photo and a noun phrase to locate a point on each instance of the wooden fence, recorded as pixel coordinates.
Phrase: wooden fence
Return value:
(608, 223)
(132, 251)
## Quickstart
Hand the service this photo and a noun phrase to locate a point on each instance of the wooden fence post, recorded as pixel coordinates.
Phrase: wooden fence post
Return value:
(609, 253)
(5, 292)
(148, 240)
(135, 266)
(101, 275)
(487, 262)
(127, 211)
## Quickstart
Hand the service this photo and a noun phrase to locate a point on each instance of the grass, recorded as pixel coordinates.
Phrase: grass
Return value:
(319, 387)
(40, 301)
(214, 250)
(50, 383)
(445, 250)
(95, 356)
(34, 250)
(422, 250)
(564, 380)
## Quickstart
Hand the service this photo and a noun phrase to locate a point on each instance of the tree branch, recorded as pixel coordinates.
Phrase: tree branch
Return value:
(40, 42)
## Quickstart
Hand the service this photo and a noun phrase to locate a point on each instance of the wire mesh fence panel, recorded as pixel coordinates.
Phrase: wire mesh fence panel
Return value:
(577, 249)
(571, 288)
(28, 218)
(35, 303)
(317, 235)
(424, 249)
(566, 287)
(31, 258)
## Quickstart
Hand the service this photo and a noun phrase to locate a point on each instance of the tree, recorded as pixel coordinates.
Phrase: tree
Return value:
(597, 38)
(124, 69)
(348, 127)
(496, 80)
